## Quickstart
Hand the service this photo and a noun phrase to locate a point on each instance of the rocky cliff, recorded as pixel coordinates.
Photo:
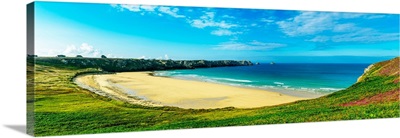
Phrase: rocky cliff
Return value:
(385, 69)
(378, 86)
(120, 65)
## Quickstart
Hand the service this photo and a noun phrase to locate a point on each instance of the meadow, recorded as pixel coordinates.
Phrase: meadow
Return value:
(63, 108)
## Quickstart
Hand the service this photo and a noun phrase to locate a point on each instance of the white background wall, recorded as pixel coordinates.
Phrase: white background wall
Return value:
(12, 69)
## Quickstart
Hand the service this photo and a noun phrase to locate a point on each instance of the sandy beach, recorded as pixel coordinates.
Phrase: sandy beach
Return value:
(142, 88)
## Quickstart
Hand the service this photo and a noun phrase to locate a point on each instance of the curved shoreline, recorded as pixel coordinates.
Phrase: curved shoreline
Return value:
(113, 92)
(145, 89)
(289, 92)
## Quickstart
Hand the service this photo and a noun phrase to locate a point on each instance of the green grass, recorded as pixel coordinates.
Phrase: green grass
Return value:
(63, 108)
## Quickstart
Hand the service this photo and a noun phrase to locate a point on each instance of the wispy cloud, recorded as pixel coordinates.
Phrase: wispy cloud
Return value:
(158, 10)
(311, 23)
(208, 20)
(307, 23)
(319, 39)
(330, 27)
(224, 32)
(220, 27)
(171, 11)
(148, 7)
(365, 35)
(133, 8)
(228, 16)
(254, 45)
(346, 27)
(267, 20)
(322, 28)
(358, 35)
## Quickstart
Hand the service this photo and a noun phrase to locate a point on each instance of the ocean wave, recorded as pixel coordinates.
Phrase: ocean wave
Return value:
(208, 79)
(233, 80)
(301, 89)
(188, 75)
(244, 83)
(165, 73)
(285, 86)
(330, 89)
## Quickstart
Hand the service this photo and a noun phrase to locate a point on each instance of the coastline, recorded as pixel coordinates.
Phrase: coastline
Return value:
(104, 88)
(149, 90)
(289, 92)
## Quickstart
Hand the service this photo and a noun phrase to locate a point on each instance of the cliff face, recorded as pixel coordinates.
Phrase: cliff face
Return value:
(385, 69)
(119, 65)
(379, 85)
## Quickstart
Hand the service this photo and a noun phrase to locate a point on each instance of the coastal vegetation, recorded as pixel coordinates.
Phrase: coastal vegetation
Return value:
(120, 64)
(61, 107)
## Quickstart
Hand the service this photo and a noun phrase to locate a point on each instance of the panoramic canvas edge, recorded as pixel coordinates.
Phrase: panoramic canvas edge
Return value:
(30, 68)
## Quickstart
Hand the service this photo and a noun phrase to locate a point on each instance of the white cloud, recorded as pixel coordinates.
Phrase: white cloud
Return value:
(149, 9)
(375, 16)
(84, 49)
(365, 35)
(114, 5)
(307, 23)
(166, 57)
(224, 32)
(311, 23)
(314, 23)
(269, 20)
(320, 39)
(133, 8)
(221, 26)
(347, 27)
(208, 15)
(202, 23)
(208, 20)
(254, 45)
(228, 16)
(173, 12)
(142, 57)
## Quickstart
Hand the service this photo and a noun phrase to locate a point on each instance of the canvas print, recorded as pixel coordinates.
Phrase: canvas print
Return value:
(103, 68)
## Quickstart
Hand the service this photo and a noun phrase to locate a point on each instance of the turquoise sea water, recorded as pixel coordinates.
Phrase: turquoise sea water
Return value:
(284, 77)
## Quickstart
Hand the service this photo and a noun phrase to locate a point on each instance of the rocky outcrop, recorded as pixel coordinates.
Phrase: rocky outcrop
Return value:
(384, 68)
(120, 65)
(378, 85)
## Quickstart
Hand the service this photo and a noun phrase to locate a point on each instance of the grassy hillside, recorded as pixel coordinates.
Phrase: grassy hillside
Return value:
(61, 107)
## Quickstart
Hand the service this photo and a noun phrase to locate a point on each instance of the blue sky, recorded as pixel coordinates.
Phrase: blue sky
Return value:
(165, 32)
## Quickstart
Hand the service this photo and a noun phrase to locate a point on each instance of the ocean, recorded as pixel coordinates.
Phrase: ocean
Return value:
(292, 79)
